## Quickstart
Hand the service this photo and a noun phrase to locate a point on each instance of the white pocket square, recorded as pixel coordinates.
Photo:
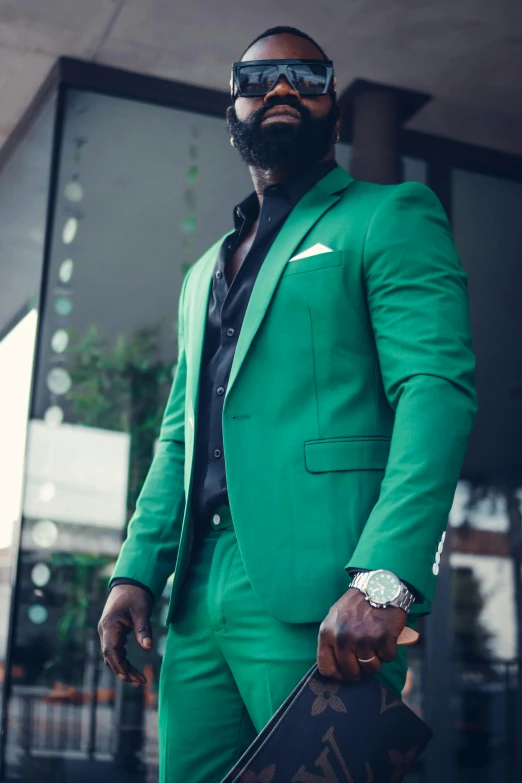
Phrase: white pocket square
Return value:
(312, 251)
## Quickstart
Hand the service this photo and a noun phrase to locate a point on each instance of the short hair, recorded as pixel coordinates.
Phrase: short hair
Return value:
(285, 29)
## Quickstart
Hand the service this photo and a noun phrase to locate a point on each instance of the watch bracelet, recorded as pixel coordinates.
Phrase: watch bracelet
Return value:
(404, 600)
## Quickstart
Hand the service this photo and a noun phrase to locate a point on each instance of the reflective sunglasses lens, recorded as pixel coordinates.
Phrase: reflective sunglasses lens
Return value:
(256, 79)
(308, 79)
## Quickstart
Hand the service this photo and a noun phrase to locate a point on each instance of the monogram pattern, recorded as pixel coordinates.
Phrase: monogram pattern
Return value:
(388, 705)
(265, 776)
(333, 732)
(402, 763)
(326, 696)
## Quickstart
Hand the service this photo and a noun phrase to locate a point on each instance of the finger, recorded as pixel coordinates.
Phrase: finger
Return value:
(326, 662)
(134, 676)
(142, 630)
(369, 661)
(117, 660)
(112, 637)
(113, 650)
(348, 664)
(387, 650)
(115, 657)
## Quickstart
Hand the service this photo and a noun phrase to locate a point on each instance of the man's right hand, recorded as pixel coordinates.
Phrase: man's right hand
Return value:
(128, 608)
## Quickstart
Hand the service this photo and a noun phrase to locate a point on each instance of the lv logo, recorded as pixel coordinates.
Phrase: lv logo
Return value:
(333, 766)
(265, 776)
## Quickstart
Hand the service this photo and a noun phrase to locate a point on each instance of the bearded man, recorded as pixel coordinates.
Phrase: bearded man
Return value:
(314, 433)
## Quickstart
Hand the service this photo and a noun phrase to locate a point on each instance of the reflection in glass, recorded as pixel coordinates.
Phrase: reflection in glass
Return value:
(66, 270)
(189, 225)
(70, 230)
(40, 574)
(45, 533)
(59, 340)
(47, 491)
(120, 353)
(192, 174)
(161, 645)
(58, 381)
(63, 305)
(53, 416)
(73, 191)
(38, 614)
(163, 614)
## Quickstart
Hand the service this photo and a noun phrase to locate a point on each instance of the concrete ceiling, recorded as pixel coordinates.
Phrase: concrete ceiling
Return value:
(467, 54)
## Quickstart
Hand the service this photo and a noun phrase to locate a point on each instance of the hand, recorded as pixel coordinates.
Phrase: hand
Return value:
(127, 609)
(353, 629)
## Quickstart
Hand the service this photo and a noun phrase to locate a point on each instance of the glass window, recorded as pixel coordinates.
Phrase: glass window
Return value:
(414, 170)
(24, 182)
(343, 155)
(486, 525)
(142, 192)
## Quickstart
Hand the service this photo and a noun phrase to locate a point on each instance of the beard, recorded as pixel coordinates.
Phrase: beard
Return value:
(281, 145)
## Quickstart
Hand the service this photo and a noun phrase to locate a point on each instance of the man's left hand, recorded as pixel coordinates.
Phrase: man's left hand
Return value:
(353, 629)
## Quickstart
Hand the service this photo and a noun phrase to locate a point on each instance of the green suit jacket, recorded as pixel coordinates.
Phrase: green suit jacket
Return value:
(349, 404)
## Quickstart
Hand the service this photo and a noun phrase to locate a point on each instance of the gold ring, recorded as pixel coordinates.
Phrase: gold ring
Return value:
(368, 660)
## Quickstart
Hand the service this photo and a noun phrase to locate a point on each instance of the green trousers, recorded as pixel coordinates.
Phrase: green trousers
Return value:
(228, 665)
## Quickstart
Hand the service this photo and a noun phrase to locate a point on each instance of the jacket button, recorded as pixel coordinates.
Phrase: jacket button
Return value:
(230, 332)
(219, 274)
(220, 390)
(217, 453)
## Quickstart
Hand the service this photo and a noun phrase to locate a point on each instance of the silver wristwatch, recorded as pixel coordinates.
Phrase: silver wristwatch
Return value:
(382, 588)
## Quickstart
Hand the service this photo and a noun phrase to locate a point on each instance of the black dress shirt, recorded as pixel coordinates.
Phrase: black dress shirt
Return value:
(226, 310)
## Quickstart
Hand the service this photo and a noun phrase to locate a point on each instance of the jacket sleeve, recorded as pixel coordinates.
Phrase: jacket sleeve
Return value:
(115, 581)
(149, 552)
(418, 304)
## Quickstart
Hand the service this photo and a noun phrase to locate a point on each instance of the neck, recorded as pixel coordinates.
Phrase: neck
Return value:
(262, 178)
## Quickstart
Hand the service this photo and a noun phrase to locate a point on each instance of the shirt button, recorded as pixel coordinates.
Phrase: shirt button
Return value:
(219, 274)
(269, 218)
(220, 390)
(230, 332)
(217, 453)
(216, 519)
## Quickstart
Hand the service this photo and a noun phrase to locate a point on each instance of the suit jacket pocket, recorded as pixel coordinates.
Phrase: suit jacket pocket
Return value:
(349, 453)
(313, 263)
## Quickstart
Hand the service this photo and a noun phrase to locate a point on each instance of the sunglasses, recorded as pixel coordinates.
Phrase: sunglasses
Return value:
(254, 78)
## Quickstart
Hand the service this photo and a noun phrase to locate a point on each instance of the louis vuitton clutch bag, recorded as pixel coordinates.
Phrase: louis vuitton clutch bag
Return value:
(335, 732)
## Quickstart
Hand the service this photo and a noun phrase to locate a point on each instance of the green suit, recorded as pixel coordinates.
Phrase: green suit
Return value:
(349, 404)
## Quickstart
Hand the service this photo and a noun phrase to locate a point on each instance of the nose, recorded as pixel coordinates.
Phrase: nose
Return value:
(281, 88)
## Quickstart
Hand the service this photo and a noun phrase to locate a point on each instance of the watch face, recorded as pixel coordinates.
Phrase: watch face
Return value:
(383, 587)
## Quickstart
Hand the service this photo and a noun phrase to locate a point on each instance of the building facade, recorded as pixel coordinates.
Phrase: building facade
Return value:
(113, 184)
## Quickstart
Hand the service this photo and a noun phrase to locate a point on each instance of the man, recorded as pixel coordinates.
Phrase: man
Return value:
(314, 432)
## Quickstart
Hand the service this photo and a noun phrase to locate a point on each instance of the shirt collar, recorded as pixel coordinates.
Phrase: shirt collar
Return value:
(293, 189)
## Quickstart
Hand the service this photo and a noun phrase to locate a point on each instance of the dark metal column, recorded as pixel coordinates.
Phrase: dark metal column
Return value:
(438, 673)
(375, 148)
(373, 115)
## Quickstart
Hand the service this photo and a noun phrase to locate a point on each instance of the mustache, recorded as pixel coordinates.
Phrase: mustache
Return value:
(258, 115)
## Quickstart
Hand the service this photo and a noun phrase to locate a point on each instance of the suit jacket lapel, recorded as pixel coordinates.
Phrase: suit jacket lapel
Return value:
(304, 215)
